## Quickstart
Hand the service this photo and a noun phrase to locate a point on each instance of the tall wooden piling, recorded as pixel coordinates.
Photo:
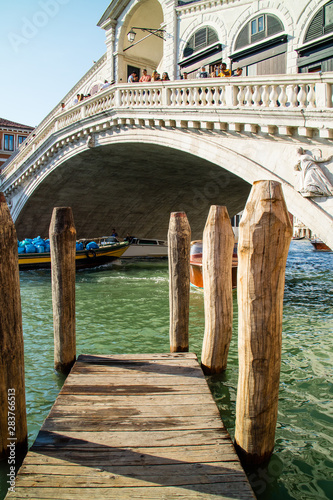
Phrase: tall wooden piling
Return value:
(218, 244)
(179, 241)
(13, 419)
(264, 236)
(62, 243)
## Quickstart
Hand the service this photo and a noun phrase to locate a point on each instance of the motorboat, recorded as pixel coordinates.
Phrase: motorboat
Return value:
(85, 258)
(320, 246)
(196, 278)
(145, 248)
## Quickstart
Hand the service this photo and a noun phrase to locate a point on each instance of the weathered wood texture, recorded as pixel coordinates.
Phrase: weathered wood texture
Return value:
(62, 242)
(12, 387)
(152, 441)
(264, 237)
(179, 242)
(218, 245)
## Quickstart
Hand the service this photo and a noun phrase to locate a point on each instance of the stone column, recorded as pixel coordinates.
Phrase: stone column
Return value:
(110, 33)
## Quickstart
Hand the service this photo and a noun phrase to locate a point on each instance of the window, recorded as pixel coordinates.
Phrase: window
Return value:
(257, 25)
(328, 14)
(261, 24)
(321, 24)
(9, 142)
(201, 39)
(21, 138)
(258, 29)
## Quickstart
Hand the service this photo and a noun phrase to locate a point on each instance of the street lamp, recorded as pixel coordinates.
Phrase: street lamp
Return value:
(131, 36)
(152, 31)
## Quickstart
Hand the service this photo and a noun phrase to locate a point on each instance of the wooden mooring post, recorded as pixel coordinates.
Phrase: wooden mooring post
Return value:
(218, 244)
(179, 242)
(62, 242)
(264, 236)
(13, 419)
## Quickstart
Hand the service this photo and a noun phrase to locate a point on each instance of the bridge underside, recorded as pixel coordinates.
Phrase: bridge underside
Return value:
(133, 188)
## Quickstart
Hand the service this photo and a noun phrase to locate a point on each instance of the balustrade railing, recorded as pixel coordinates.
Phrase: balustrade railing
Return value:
(282, 93)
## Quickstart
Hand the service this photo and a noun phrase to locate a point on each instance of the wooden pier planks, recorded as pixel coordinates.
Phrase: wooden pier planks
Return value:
(141, 426)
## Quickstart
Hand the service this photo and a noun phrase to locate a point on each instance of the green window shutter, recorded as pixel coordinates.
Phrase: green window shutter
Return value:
(243, 38)
(315, 29)
(274, 25)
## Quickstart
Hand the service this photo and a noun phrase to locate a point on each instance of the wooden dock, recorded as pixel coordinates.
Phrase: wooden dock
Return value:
(140, 426)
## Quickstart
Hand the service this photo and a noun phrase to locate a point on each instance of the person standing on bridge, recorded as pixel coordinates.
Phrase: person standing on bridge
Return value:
(238, 72)
(203, 73)
(133, 77)
(311, 179)
(155, 77)
(224, 71)
(145, 77)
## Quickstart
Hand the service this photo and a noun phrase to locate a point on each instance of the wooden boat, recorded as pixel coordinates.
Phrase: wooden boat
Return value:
(83, 259)
(320, 246)
(196, 265)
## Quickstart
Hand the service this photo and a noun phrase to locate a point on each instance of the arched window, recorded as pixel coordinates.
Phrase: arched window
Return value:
(202, 38)
(321, 24)
(316, 53)
(259, 28)
(261, 46)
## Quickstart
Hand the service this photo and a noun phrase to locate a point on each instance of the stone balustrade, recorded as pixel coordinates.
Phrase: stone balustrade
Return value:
(260, 100)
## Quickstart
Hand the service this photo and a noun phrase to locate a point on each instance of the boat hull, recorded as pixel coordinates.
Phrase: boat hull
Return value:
(83, 258)
(134, 251)
(320, 246)
(146, 248)
(196, 278)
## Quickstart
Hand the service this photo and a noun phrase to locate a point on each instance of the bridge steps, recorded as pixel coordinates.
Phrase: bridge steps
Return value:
(141, 426)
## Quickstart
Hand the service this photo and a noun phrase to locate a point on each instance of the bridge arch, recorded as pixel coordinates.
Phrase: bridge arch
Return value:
(147, 178)
(108, 184)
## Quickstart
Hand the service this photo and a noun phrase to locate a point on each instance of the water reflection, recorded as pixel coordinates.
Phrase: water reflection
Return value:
(124, 309)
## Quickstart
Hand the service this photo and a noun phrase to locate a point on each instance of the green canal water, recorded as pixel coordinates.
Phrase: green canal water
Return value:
(124, 309)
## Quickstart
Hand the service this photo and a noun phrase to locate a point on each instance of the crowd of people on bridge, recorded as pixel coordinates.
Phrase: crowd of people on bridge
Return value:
(154, 77)
(217, 71)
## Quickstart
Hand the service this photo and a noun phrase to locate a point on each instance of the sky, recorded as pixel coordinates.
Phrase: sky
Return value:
(46, 46)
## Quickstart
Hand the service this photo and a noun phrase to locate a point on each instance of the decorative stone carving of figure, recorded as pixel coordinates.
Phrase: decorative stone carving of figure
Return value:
(311, 179)
(91, 141)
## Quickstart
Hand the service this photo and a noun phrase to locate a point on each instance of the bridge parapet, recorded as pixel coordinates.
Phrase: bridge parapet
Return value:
(285, 109)
(279, 104)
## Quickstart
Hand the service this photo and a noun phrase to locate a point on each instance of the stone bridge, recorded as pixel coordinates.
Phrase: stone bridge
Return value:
(129, 155)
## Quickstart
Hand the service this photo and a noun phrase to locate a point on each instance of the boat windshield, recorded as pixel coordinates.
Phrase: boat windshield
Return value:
(196, 247)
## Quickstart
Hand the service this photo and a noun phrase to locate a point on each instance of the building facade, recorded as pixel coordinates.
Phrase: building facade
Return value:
(263, 37)
(12, 135)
